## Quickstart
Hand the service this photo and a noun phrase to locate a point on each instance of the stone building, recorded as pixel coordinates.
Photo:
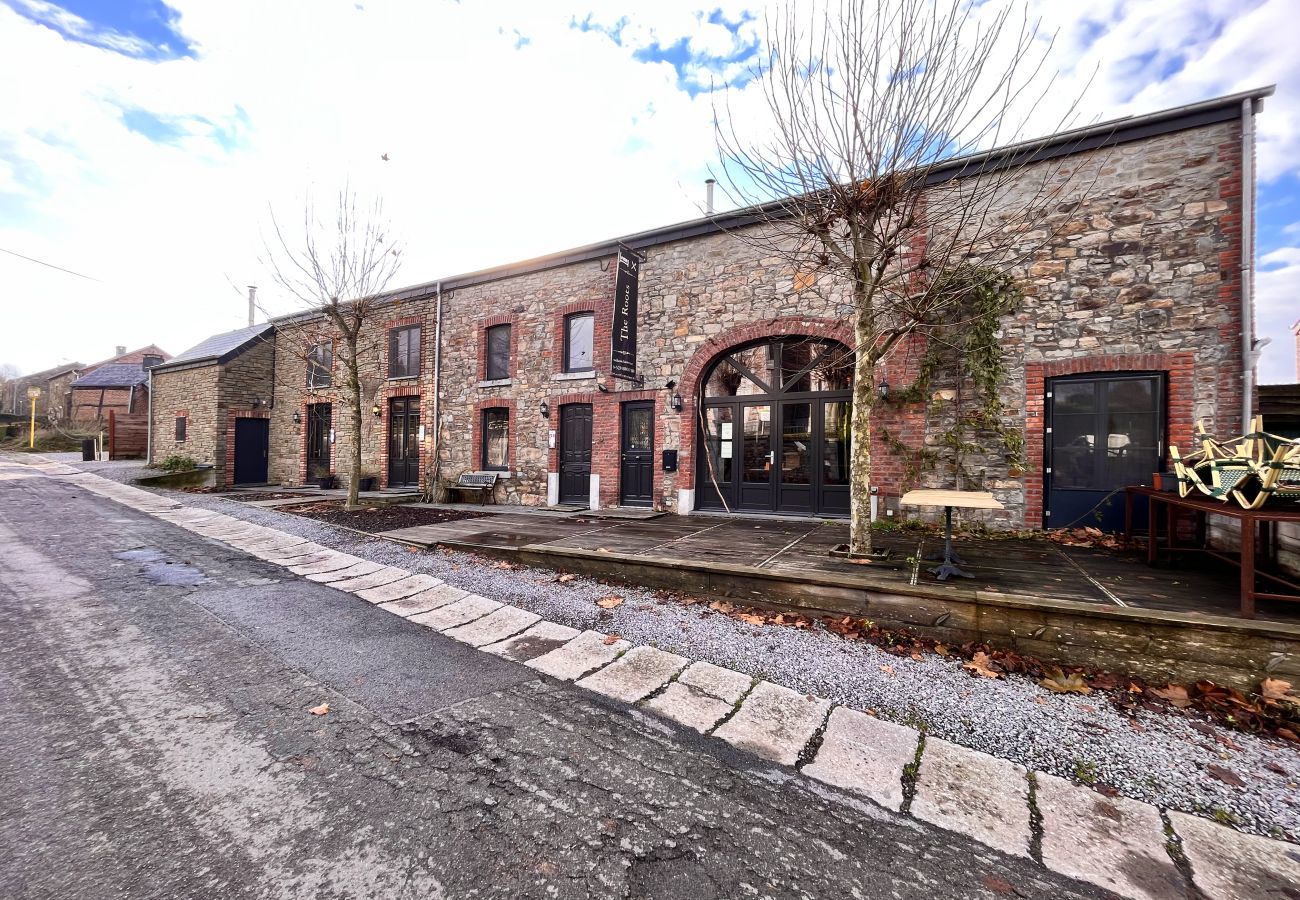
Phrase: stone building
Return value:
(118, 385)
(1130, 331)
(55, 386)
(212, 403)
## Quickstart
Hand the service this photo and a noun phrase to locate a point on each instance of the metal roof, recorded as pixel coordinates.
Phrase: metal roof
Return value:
(1078, 140)
(114, 375)
(219, 348)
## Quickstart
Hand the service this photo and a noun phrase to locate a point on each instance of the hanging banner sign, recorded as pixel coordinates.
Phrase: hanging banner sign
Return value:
(623, 334)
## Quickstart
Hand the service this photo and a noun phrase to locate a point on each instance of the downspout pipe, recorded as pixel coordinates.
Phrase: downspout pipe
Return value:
(1249, 354)
(148, 435)
(437, 383)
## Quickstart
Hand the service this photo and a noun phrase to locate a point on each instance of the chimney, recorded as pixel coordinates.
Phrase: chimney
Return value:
(120, 350)
(708, 195)
(252, 303)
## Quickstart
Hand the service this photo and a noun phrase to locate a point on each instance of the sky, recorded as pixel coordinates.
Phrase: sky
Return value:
(146, 146)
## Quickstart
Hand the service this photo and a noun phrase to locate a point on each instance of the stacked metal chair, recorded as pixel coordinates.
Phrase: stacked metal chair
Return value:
(1250, 470)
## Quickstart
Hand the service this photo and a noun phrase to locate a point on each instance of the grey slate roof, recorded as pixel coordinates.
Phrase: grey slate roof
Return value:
(114, 375)
(219, 347)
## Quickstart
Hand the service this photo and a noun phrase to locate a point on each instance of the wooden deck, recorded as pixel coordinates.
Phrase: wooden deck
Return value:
(793, 548)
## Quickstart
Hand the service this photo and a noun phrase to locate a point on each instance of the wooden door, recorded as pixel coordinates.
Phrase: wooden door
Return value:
(636, 462)
(575, 453)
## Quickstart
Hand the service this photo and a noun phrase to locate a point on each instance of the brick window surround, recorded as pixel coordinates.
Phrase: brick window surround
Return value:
(512, 431)
(386, 349)
(1177, 367)
(600, 328)
(492, 322)
(721, 344)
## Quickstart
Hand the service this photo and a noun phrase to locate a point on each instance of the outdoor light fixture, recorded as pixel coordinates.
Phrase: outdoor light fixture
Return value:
(883, 389)
(675, 403)
(376, 410)
(297, 419)
(545, 410)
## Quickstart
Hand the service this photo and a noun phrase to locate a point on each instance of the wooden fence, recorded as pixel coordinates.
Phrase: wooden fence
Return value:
(128, 435)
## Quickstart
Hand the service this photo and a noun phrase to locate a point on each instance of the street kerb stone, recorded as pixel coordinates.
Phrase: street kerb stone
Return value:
(334, 562)
(1230, 865)
(635, 675)
(356, 569)
(586, 652)
(1112, 842)
(774, 722)
(863, 754)
(307, 559)
(541, 638)
(384, 575)
(434, 597)
(495, 626)
(974, 794)
(466, 609)
(396, 590)
(701, 696)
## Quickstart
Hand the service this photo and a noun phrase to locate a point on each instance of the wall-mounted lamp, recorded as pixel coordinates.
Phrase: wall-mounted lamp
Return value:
(545, 410)
(883, 389)
(257, 401)
(297, 419)
(675, 402)
(376, 410)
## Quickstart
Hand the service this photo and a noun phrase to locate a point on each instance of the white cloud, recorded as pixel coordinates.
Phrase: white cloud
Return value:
(497, 151)
(1277, 307)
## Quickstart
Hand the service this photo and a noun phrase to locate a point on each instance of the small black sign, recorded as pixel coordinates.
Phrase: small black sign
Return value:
(623, 334)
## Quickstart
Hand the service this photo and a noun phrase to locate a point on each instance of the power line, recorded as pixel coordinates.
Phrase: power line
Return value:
(49, 265)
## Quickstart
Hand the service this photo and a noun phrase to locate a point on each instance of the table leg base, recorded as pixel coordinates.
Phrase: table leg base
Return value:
(939, 557)
(947, 569)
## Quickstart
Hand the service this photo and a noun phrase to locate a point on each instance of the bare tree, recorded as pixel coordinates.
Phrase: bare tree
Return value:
(865, 167)
(339, 273)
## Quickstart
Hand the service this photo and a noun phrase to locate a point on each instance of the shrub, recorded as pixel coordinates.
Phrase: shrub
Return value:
(177, 462)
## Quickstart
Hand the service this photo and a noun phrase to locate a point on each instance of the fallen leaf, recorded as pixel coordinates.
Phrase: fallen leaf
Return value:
(721, 606)
(888, 670)
(502, 564)
(998, 885)
(610, 602)
(612, 638)
(982, 665)
(1274, 688)
(859, 562)
(565, 578)
(1174, 693)
(320, 710)
(1059, 683)
(1225, 775)
(751, 619)
(1275, 768)
(941, 649)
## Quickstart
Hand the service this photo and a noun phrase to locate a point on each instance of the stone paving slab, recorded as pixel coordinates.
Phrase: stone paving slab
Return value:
(495, 626)
(775, 723)
(541, 638)
(974, 794)
(586, 652)
(307, 559)
(466, 609)
(1112, 842)
(334, 562)
(424, 601)
(1230, 865)
(701, 696)
(636, 674)
(353, 570)
(402, 587)
(384, 575)
(866, 755)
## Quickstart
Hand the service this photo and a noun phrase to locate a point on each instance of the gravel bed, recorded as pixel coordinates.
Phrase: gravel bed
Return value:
(1160, 760)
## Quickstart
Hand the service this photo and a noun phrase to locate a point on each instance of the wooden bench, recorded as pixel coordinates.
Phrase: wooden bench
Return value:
(480, 483)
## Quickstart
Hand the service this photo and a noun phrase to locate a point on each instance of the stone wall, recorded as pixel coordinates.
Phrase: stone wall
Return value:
(1136, 268)
(190, 394)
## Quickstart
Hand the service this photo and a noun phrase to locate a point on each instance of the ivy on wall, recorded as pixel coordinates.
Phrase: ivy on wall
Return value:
(964, 353)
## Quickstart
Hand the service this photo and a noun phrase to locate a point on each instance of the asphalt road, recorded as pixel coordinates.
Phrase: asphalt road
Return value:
(155, 690)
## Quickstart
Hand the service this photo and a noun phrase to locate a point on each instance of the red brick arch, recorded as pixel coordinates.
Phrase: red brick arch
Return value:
(719, 344)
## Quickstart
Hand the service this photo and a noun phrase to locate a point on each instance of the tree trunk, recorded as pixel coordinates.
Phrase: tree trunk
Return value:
(354, 409)
(864, 398)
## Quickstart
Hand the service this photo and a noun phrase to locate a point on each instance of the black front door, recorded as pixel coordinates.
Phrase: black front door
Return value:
(403, 441)
(319, 422)
(575, 453)
(637, 466)
(251, 440)
(1106, 432)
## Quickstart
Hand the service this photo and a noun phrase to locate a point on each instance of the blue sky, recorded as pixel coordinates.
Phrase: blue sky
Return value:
(149, 140)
